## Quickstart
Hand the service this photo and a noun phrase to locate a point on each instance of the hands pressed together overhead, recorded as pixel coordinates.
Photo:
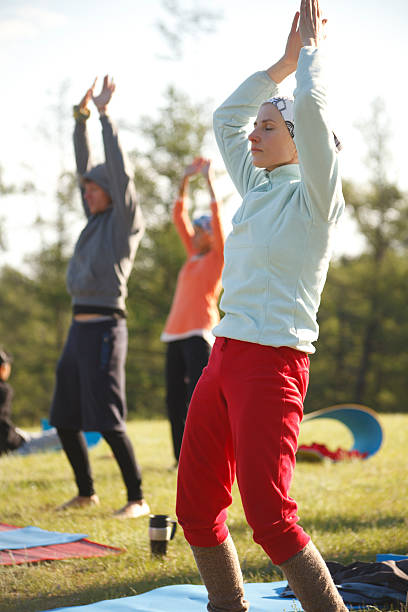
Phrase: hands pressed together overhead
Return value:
(307, 29)
(311, 23)
(199, 165)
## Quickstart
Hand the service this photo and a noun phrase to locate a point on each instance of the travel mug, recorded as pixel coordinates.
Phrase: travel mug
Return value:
(161, 530)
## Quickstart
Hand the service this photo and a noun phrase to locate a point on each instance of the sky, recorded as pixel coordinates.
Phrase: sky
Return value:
(52, 49)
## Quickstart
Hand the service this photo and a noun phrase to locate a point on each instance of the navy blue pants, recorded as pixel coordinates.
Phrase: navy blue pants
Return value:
(90, 395)
(90, 392)
(185, 360)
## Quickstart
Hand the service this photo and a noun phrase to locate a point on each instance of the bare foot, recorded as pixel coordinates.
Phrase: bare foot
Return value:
(80, 501)
(133, 509)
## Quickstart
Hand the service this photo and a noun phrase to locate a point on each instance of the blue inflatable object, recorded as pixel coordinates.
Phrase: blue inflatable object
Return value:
(361, 421)
(92, 437)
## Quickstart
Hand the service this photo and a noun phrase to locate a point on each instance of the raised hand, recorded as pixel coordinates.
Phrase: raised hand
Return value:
(206, 169)
(288, 62)
(208, 174)
(294, 43)
(102, 100)
(194, 167)
(83, 105)
(311, 24)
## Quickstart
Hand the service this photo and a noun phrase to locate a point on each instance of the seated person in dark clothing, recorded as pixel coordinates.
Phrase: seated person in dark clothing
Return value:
(11, 437)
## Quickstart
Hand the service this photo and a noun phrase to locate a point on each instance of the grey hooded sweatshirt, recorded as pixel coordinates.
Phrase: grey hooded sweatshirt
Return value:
(104, 253)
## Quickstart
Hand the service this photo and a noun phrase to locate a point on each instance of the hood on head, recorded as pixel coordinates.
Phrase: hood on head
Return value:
(99, 175)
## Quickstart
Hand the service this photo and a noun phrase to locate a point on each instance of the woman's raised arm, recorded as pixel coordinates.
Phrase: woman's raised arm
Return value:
(181, 217)
(232, 118)
(217, 229)
(318, 158)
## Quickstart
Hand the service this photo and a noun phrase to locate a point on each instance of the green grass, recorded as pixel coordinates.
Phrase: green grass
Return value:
(352, 510)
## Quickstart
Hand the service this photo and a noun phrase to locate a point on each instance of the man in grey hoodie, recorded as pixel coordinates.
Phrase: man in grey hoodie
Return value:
(90, 390)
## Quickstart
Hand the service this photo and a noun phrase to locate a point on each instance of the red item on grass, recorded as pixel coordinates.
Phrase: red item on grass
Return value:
(338, 455)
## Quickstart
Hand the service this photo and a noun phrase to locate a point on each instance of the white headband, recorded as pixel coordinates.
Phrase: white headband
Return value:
(286, 107)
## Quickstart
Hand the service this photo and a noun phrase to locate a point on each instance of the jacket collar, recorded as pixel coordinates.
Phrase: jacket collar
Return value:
(283, 173)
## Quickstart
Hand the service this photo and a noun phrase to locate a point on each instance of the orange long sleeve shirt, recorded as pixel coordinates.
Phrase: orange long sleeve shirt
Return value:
(194, 310)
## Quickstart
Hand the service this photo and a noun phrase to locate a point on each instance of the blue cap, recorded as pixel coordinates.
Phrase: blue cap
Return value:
(5, 357)
(204, 222)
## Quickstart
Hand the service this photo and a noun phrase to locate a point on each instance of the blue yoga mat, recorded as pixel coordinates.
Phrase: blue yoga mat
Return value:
(263, 597)
(29, 537)
(192, 598)
(92, 437)
(390, 557)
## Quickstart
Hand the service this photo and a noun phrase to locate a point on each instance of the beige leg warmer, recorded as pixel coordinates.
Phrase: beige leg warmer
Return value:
(221, 573)
(311, 582)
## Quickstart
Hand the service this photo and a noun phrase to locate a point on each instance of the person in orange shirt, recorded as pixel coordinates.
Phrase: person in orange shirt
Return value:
(194, 310)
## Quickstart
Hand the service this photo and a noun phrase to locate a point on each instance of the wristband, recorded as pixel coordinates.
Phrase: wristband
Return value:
(81, 114)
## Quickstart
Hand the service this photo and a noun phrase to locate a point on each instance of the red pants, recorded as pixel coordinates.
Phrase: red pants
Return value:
(244, 419)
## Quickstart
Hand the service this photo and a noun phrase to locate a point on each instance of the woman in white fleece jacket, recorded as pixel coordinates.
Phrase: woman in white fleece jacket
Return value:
(246, 410)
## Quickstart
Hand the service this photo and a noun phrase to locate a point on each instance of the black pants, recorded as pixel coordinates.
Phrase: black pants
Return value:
(74, 445)
(185, 360)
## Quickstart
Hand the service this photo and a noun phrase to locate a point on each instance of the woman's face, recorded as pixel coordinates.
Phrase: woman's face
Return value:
(5, 371)
(202, 240)
(271, 144)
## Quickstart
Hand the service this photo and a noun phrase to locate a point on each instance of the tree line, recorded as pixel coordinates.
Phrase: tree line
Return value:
(361, 353)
